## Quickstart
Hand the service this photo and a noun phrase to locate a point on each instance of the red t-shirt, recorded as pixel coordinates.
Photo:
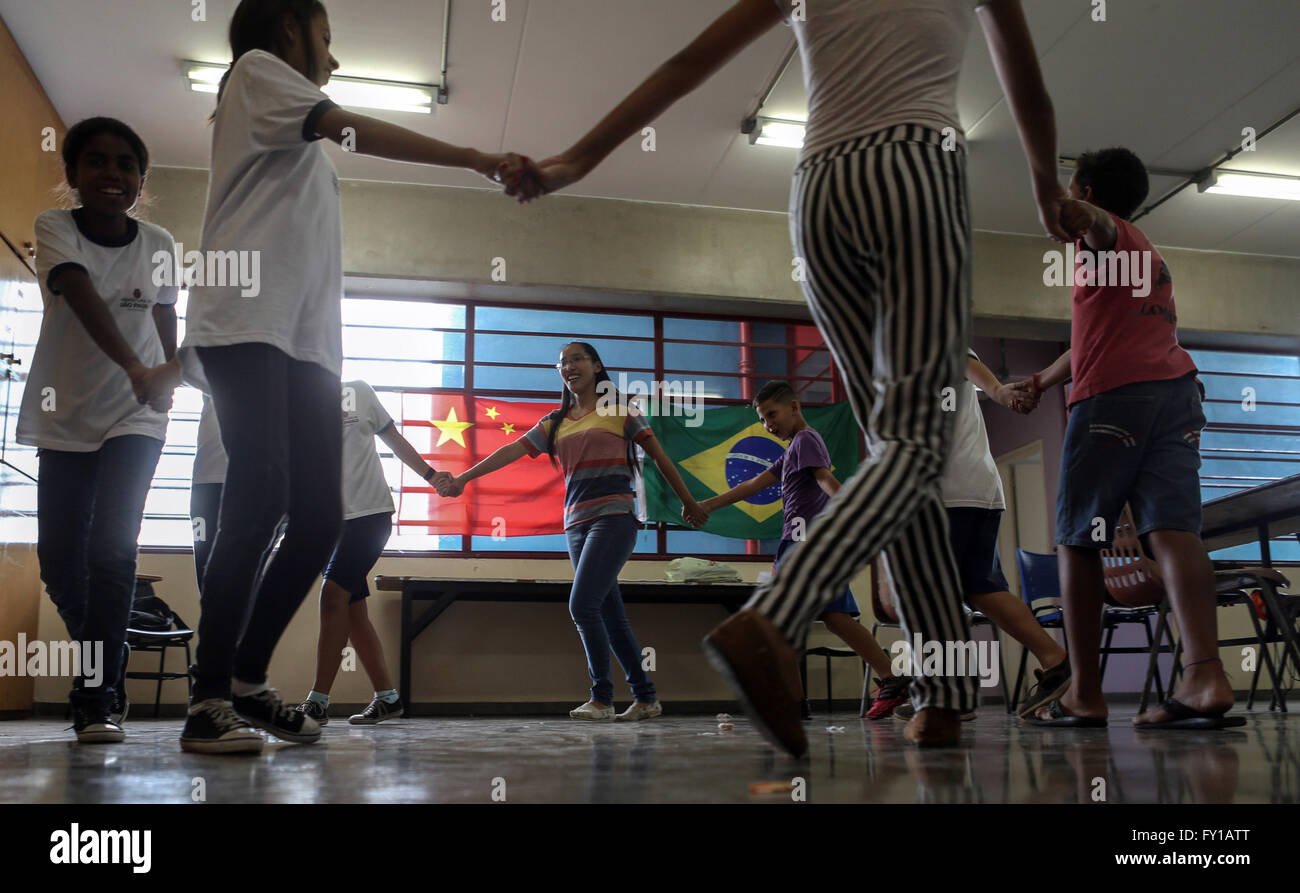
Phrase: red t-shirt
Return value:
(1124, 326)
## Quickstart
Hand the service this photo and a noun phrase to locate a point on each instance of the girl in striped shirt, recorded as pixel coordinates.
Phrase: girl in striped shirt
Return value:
(594, 445)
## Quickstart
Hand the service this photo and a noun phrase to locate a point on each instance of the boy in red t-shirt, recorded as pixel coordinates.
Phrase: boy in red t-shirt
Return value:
(1133, 436)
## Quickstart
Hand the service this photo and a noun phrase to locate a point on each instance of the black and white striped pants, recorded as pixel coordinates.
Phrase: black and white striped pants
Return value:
(882, 225)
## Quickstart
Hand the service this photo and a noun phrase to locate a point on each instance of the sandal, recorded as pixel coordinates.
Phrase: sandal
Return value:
(1061, 719)
(1185, 717)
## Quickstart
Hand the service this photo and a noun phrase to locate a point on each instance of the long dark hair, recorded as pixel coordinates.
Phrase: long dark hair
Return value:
(255, 26)
(566, 403)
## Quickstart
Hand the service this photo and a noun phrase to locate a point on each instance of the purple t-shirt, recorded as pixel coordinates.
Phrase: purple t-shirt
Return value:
(801, 495)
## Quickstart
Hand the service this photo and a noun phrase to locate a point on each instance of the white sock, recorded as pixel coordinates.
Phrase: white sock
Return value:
(243, 689)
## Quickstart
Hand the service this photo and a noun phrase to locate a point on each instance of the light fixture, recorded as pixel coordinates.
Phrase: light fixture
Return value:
(775, 132)
(367, 93)
(1249, 184)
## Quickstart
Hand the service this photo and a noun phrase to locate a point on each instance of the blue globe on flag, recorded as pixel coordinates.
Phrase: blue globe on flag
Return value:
(750, 457)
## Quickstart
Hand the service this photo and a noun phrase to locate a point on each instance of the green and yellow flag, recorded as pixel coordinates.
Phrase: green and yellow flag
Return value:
(729, 447)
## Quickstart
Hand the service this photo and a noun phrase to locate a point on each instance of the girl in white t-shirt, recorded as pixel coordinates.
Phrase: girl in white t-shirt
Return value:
(96, 399)
(880, 220)
(264, 339)
(367, 522)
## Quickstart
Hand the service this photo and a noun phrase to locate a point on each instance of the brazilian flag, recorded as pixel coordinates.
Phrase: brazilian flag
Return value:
(729, 447)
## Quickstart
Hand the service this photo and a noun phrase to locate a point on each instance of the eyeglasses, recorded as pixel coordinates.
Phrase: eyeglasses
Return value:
(571, 361)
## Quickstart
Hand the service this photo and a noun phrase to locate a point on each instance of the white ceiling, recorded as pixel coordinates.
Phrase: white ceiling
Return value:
(1175, 80)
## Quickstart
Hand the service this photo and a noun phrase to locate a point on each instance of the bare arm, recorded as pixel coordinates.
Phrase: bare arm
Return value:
(1056, 373)
(1094, 225)
(511, 452)
(690, 508)
(374, 137)
(90, 309)
(734, 30)
(826, 481)
(739, 493)
(403, 450)
(1016, 61)
(1017, 396)
(164, 320)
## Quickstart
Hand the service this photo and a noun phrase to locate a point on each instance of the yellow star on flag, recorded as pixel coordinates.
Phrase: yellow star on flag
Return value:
(492, 412)
(710, 466)
(508, 428)
(451, 428)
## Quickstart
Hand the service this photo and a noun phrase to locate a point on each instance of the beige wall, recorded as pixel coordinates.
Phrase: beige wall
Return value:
(678, 256)
(474, 652)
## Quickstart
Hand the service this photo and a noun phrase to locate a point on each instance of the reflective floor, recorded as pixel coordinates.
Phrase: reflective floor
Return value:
(666, 760)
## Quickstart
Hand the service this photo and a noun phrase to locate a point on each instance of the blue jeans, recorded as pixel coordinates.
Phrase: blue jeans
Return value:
(599, 549)
(89, 508)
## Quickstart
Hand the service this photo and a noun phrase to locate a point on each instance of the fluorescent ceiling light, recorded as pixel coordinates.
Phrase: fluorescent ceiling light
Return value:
(366, 93)
(1252, 185)
(776, 132)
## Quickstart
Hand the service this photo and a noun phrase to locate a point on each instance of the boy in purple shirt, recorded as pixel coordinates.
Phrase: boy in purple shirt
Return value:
(807, 485)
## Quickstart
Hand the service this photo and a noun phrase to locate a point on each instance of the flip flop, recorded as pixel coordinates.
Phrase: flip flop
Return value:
(1185, 717)
(1061, 719)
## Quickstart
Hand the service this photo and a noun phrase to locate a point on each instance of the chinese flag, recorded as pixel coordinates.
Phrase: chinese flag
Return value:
(455, 432)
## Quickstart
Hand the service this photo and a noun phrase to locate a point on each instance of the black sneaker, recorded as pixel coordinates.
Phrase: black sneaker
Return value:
(377, 711)
(121, 706)
(315, 711)
(94, 726)
(1050, 686)
(121, 703)
(266, 711)
(212, 726)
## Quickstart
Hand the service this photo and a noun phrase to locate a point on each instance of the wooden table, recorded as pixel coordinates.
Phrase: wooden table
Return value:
(1261, 512)
(443, 591)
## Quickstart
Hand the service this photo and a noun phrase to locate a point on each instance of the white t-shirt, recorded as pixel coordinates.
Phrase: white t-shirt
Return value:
(970, 479)
(76, 397)
(872, 64)
(365, 489)
(210, 456)
(273, 196)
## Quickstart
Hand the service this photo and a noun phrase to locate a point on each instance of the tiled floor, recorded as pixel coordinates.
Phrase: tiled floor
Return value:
(673, 759)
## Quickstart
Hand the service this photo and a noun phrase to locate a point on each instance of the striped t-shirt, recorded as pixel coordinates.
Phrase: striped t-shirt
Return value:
(592, 453)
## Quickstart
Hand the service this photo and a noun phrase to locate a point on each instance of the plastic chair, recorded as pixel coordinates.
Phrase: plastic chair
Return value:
(1134, 589)
(1040, 581)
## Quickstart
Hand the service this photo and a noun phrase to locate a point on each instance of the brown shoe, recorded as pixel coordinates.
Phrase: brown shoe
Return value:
(763, 669)
(934, 727)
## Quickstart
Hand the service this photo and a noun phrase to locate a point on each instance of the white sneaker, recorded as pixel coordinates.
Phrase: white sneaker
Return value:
(592, 712)
(640, 711)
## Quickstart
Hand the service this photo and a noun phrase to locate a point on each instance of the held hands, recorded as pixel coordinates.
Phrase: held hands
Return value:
(1077, 217)
(1050, 207)
(448, 486)
(154, 385)
(695, 514)
(1018, 396)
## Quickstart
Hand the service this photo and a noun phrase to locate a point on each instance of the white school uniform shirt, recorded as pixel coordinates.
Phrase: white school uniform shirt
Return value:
(272, 191)
(76, 397)
(365, 489)
(872, 64)
(210, 455)
(971, 479)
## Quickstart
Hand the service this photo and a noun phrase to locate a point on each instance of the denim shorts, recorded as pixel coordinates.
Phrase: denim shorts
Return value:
(359, 547)
(1140, 444)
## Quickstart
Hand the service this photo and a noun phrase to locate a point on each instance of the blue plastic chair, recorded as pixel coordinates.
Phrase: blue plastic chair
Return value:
(1039, 582)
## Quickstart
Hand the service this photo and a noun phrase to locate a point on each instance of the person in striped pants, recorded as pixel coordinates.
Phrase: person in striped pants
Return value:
(881, 228)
